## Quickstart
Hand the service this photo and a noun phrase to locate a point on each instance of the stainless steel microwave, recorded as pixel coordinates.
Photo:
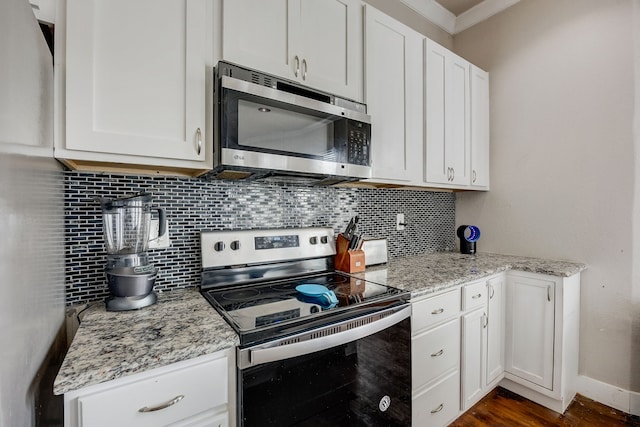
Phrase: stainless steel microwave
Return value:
(268, 127)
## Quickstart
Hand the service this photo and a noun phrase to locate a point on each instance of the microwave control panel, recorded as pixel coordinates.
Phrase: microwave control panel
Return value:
(358, 143)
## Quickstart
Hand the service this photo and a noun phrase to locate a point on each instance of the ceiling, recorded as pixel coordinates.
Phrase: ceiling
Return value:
(455, 16)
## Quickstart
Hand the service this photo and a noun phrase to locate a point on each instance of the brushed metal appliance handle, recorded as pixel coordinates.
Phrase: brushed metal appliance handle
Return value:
(199, 139)
(259, 356)
(438, 409)
(438, 311)
(291, 99)
(162, 405)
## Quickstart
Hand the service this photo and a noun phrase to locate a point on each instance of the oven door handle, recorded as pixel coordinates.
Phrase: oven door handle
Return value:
(259, 355)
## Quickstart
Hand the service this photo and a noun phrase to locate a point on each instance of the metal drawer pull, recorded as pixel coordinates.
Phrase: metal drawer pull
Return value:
(438, 353)
(199, 138)
(438, 409)
(492, 291)
(163, 405)
(476, 296)
(438, 311)
(304, 69)
(549, 293)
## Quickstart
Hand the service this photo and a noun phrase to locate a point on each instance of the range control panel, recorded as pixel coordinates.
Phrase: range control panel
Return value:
(233, 248)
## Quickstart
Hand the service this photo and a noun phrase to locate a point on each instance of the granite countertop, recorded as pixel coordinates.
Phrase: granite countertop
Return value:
(429, 273)
(182, 325)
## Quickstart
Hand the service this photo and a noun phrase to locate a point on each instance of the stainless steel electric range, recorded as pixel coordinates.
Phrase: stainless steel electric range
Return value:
(317, 347)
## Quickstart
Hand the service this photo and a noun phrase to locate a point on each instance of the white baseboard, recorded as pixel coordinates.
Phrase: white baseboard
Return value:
(616, 397)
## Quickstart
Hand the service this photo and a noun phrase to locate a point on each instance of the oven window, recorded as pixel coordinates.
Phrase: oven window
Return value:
(340, 386)
(258, 124)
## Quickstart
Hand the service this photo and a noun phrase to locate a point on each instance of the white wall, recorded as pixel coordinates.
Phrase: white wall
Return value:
(564, 159)
(31, 215)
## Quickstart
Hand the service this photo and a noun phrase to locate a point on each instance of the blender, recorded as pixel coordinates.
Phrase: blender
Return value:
(130, 277)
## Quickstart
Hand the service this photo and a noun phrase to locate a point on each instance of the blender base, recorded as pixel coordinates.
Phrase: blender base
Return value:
(130, 303)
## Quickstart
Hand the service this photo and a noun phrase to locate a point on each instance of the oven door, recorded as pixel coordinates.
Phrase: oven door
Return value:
(355, 373)
(262, 127)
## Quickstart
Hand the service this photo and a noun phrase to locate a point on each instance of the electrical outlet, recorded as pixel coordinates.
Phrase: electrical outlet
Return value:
(400, 222)
(154, 241)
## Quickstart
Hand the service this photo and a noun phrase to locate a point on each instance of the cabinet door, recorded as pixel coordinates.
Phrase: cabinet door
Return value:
(457, 120)
(479, 128)
(329, 44)
(255, 35)
(315, 42)
(447, 116)
(133, 88)
(393, 94)
(473, 356)
(495, 330)
(530, 329)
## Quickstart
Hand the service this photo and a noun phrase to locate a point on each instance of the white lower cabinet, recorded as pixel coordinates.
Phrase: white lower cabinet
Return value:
(435, 359)
(474, 344)
(192, 393)
(439, 404)
(542, 337)
(482, 339)
(530, 329)
(495, 330)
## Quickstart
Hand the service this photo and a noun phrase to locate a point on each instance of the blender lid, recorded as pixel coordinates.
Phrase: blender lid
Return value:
(126, 201)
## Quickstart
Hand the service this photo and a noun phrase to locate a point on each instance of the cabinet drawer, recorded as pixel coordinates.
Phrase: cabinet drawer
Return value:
(434, 310)
(202, 387)
(438, 405)
(474, 295)
(435, 352)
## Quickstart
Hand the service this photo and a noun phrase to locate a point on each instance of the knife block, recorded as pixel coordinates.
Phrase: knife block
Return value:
(349, 261)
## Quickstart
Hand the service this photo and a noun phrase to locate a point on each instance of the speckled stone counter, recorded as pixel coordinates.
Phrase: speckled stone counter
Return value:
(109, 345)
(429, 273)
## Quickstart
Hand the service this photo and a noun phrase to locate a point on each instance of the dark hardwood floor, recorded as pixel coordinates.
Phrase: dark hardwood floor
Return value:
(502, 408)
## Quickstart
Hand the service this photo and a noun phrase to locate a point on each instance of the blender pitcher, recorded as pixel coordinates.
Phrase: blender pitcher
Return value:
(127, 222)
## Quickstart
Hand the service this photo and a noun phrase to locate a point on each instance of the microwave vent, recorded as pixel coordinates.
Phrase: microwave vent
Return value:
(261, 80)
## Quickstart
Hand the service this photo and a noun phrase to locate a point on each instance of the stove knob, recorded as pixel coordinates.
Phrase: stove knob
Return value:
(313, 240)
(235, 245)
(218, 246)
(324, 240)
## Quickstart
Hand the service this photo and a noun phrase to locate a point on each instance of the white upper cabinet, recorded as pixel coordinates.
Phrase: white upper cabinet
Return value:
(479, 129)
(136, 83)
(317, 43)
(393, 94)
(447, 117)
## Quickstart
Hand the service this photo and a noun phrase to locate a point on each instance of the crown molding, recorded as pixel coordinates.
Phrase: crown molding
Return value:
(434, 12)
(481, 12)
(437, 14)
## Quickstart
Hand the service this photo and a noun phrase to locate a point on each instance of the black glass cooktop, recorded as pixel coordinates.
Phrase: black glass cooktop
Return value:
(272, 309)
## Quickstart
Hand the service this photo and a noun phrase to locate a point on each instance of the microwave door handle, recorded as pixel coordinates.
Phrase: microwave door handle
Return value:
(258, 356)
(289, 98)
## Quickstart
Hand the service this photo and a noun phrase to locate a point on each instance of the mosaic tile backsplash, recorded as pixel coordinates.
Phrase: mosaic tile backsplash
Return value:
(194, 204)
